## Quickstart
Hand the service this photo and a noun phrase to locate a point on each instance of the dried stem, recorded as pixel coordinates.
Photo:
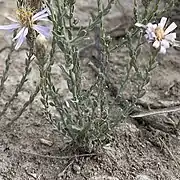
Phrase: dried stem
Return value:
(7, 66)
(26, 104)
(20, 84)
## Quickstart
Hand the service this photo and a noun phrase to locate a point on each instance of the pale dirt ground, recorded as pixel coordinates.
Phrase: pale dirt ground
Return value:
(137, 152)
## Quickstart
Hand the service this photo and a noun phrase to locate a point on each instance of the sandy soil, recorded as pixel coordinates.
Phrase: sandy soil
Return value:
(138, 152)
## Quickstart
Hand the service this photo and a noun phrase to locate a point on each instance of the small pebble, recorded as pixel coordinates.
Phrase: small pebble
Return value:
(104, 177)
(76, 168)
(142, 177)
(46, 142)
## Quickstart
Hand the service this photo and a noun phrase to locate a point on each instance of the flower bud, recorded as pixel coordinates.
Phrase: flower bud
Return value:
(41, 46)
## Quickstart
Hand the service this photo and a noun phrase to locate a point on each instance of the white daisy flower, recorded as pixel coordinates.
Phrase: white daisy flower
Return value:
(160, 36)
(26, 19)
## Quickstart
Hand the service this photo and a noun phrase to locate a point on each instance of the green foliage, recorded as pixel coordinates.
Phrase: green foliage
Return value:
(88, 118)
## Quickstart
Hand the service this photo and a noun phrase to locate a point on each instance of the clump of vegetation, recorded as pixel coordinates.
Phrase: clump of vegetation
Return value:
(87, 119)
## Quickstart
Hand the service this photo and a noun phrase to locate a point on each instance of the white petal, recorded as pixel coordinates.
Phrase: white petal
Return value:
(12, 19)
(44, 11)
(45, 31)
(149, 25)
(156, 44)
(162, 22)
(171, 37)
(165, 43)
(44, 19)
(140, 25)
(154, 26)
(21, 38)
(10, 27)
(170, 28)
(162, 50)
(149, 40)
(19, 33)
(150, 36)
(41, 17)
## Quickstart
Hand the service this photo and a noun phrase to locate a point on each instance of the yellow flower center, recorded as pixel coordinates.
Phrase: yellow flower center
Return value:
(25, 17)
(159, 32)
